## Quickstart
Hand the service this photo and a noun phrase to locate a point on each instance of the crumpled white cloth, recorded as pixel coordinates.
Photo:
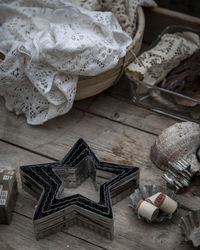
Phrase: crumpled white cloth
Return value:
(47, 45)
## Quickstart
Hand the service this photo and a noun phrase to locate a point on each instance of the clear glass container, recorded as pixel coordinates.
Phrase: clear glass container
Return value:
(162, 100)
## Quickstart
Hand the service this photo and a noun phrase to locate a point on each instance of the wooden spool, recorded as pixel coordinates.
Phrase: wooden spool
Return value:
(90, 86)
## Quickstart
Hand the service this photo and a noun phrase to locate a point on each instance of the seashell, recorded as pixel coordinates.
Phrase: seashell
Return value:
(180, 140)
(190, 226)
(145, 192)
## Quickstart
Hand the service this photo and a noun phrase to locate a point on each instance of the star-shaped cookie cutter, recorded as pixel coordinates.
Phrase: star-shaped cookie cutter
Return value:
(46, 182)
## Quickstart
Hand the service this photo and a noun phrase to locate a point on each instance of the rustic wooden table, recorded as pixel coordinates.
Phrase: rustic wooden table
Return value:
(118, 132)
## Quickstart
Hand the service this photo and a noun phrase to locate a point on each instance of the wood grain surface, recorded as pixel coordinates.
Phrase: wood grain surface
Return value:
(118, 132)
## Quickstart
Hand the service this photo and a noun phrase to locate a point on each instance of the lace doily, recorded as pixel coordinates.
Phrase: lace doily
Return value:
(118, 7)
(99, 5)
(153, 65)
(47, 44)
(124, 10)
(131, 7)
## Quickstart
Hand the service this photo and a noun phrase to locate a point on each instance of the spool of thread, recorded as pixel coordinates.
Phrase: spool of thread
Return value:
(147, 210)
(164, 202)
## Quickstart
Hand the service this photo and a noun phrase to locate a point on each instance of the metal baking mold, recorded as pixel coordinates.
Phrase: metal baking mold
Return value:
(46, 182)
(178, 174)
(190, 226)
(146, 191)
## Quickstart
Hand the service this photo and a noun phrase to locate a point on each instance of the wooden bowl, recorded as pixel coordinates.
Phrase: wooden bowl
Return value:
(90, 86)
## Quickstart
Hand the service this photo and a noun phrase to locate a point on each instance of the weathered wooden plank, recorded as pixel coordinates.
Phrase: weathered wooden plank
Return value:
(19, 235)
(129, 232)
(111, 141)
(125, 112)
(166, 235)
(115, 104)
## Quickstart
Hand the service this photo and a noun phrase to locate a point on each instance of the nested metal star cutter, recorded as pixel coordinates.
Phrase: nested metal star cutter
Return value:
(46, 182)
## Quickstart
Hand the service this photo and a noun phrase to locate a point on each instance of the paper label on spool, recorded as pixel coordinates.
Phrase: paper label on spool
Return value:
(159, 200)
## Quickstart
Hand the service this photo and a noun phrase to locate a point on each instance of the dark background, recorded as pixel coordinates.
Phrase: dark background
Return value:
(191, 7)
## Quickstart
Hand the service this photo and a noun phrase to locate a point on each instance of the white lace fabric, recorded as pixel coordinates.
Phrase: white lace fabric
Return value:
(47, 45)
(124, 10)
